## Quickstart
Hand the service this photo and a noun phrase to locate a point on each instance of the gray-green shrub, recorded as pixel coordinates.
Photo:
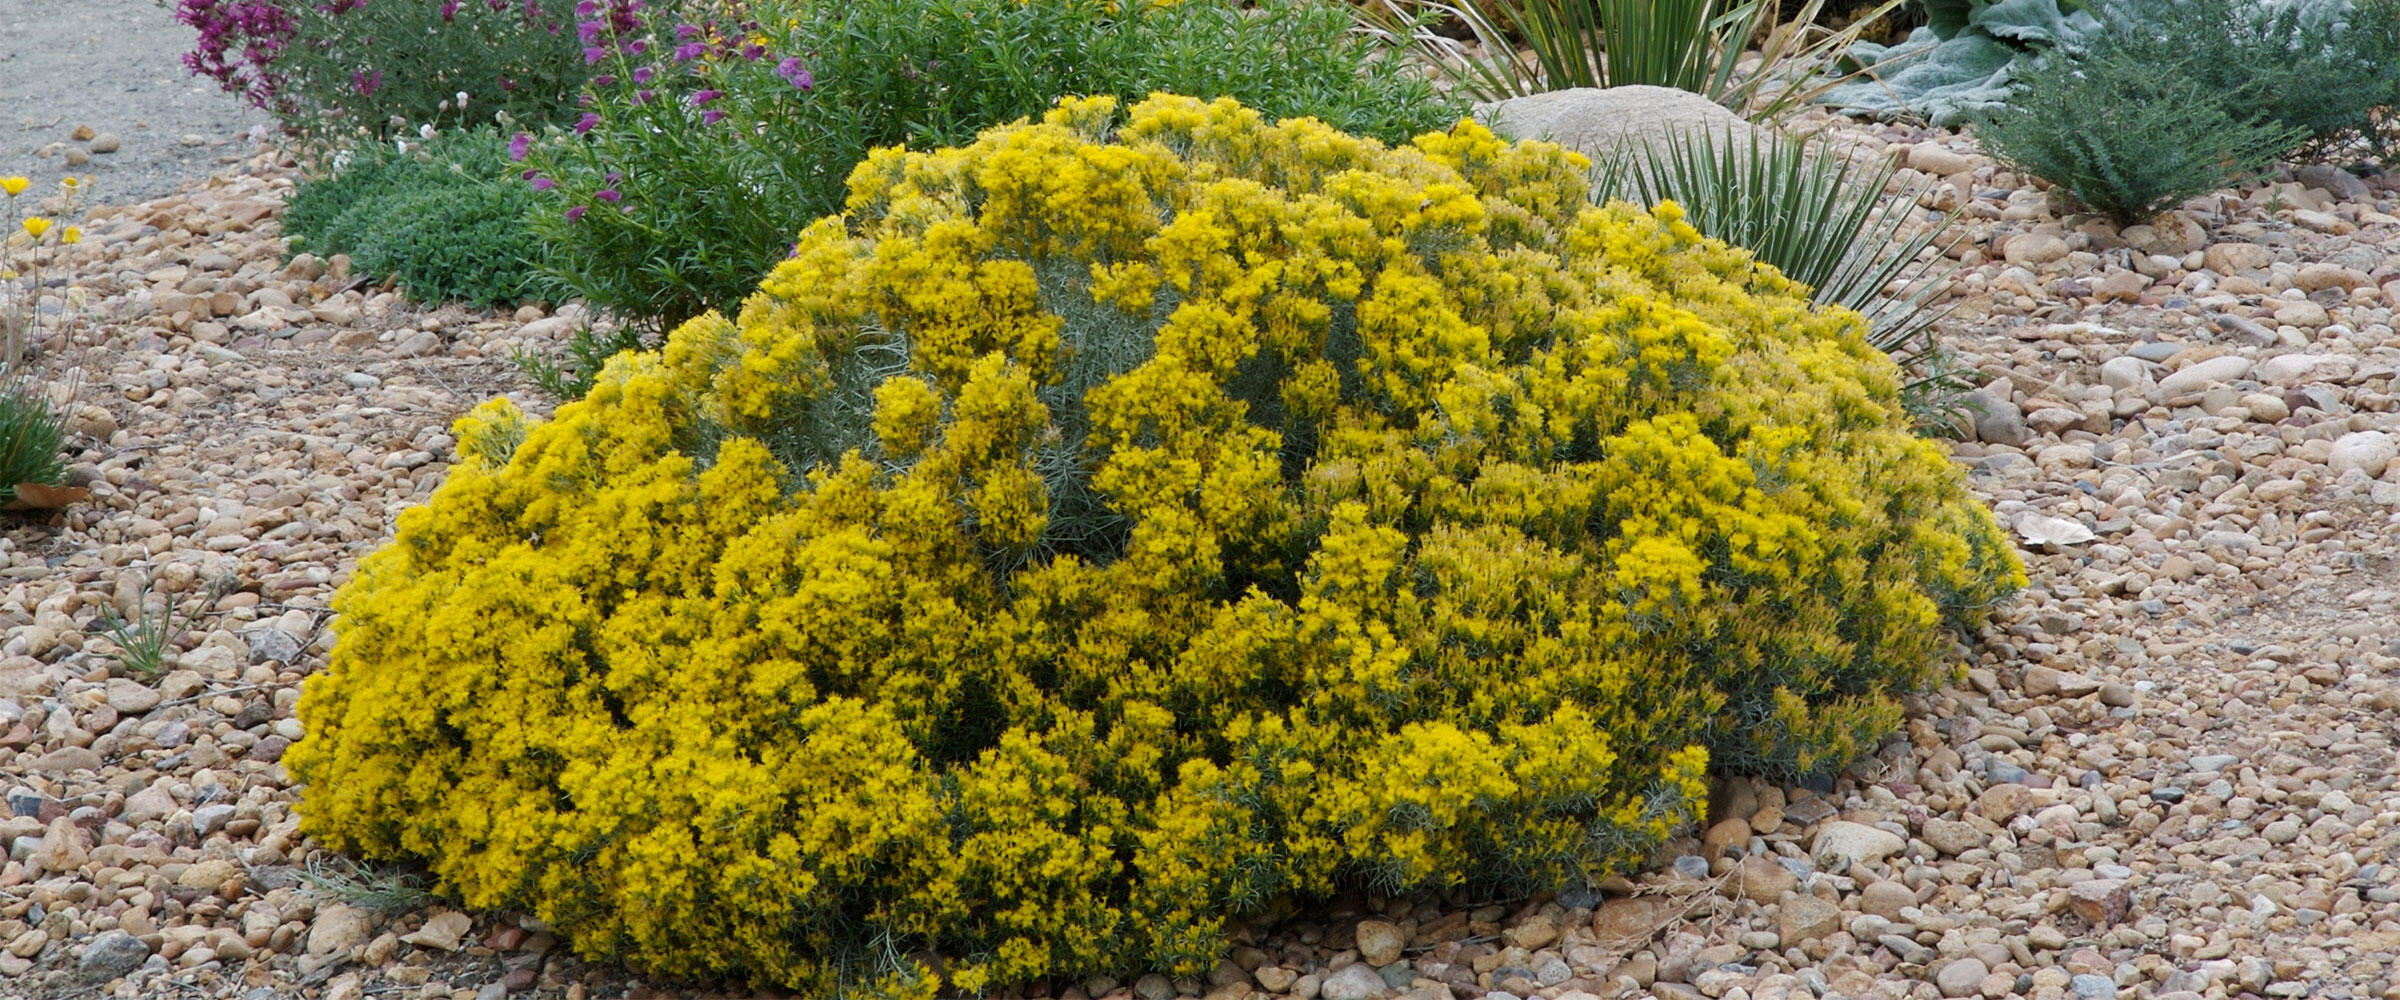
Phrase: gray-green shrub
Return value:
(2324, 67)
(445, 219)
(2129, 136)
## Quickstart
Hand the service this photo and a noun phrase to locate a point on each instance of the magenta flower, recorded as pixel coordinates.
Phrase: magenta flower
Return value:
(609, 195)
(790, 69)
(588, 32)
(585, 124)
(689, 51)
(449, 11)
(701, 97)
(593, 54)
(543, 184)
(367, 83)
(586, 8)
(753, 51)
(643, 74)
(518, 145)
(575, 214)
(687, 32)
(711, 116)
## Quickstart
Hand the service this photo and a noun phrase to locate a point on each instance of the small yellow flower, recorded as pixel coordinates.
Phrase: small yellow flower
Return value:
(36, 225)
(14, 185)
(72, 234)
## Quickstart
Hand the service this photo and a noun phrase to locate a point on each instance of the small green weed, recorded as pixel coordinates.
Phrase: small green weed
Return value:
(143, 643)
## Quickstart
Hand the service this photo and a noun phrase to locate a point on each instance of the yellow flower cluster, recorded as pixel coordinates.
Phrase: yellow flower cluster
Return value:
(1107, 529)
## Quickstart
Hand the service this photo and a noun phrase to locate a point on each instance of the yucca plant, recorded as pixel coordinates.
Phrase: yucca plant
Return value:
(1525, 47)
(1820, 217)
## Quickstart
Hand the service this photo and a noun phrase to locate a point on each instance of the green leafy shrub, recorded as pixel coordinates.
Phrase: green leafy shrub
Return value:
(2129, 136)
(1116, 526)
(709, 143)
(2324, 67)
(330, 70)
(447, 218)
(2321, 67)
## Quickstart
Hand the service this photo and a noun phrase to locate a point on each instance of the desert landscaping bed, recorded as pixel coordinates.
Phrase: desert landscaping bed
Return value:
(2166, 773)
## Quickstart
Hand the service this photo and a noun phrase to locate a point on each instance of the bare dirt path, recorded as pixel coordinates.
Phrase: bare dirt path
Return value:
(111, 66)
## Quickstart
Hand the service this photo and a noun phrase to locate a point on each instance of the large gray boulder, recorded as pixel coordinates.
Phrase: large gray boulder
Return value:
(112, 954)
(1597, 122)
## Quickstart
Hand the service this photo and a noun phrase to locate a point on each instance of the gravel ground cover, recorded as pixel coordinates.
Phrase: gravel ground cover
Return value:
(2166, 774)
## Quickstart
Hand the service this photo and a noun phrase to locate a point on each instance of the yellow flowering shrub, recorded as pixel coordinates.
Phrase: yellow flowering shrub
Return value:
(1114, 526)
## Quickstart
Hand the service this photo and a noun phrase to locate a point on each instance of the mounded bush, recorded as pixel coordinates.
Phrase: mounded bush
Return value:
(1118, 525)
(331, 71)
(2146, 137)
(2176, 98)
(446, 220)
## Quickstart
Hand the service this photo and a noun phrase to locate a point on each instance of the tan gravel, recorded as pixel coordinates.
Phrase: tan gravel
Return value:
(2166, 773)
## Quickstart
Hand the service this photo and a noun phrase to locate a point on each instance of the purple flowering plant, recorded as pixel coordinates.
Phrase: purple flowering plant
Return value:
(656, 189)
(333, 70)
(733, 129)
